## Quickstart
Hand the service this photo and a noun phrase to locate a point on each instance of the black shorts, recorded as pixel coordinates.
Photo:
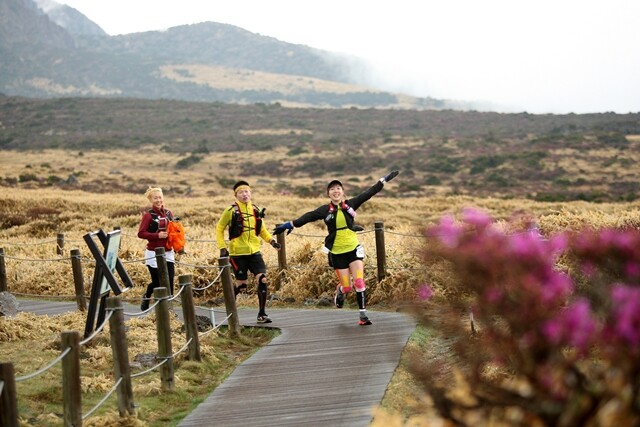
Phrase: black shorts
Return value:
(340, 261)
(244, 264)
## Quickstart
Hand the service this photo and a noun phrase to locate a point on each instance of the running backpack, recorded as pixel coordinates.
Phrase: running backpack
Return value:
(177, 237)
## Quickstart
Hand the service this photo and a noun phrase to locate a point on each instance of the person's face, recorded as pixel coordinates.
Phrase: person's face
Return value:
(244, 195)
(156, 199)
(336, 193)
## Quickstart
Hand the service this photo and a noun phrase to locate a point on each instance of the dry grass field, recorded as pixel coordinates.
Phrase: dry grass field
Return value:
(109, 191)
(31, 216)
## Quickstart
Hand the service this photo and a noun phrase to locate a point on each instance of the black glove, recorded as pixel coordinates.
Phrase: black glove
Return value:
(282, 227)
(390, 176)
(224, 253)
(275, 244)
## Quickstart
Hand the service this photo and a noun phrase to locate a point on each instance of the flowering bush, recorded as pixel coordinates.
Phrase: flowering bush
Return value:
(551, 346)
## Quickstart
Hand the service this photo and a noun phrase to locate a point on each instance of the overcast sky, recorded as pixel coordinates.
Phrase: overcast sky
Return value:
(542, 56)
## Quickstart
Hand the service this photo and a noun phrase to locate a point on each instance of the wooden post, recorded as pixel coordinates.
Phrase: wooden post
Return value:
(282, 259)
(60, 244)
(78, 280)
(120, 351)
(189, 314)
(163, 327)
(381, 256)
(3, 272)
(8, 402)
(229, 297)
(71, 390)
(163, 271)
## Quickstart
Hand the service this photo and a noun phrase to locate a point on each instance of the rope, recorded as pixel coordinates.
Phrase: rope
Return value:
(104, 399)
(210, 283)
(136, 260)
(196, 265)
(46, 368)
(164, 359)
(206, 308)
(43, 296)
(34, 259)
(177, 294)
(184, 347)
(201, 240)
(139, 374)
(406, 235)
(140, 313)
(216, 328)
(100, 328)
(30, 244)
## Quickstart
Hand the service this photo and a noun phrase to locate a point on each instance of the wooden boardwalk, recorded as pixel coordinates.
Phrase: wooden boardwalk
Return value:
(323, 370)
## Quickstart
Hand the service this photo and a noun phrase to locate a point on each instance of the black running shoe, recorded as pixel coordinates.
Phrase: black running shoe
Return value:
(364, 320)
(339, 298)
(263, 318)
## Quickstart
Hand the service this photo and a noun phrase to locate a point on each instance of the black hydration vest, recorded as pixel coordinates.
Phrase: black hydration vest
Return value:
(154, 225)
(236, 226)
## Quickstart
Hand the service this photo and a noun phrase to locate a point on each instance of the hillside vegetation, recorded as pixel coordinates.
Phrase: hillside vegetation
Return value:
(199, 149)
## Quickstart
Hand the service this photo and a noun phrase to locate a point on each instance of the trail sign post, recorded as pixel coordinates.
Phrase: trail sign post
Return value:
(104, 280)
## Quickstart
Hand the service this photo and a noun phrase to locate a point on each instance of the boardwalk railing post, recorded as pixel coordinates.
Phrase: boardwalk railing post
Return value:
(164, 337)
(189, 314)
(60, 244)
(163, 271)
(71, 390)
(381, 256)
(282, 259)
(120, 351)
(78, 280)
(8, 403)
(3, 272)
(229, 297)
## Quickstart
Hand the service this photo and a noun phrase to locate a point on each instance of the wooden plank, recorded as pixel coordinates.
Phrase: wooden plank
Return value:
(323, 370)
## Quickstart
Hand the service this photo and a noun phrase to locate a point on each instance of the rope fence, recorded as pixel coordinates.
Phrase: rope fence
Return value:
(71, 343)
(162, 301)
(80, 282)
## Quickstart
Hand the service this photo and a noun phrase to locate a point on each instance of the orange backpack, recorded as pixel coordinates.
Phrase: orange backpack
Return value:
(176, 238)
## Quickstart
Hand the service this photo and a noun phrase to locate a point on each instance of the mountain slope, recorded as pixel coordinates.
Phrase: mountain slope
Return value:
(42, 59)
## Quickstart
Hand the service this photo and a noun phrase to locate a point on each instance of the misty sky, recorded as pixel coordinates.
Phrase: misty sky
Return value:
(540, 56)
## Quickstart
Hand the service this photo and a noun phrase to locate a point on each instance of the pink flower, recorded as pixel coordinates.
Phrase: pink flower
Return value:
(632, 269)
(625, 313)
(493, 295)
(574, 326)
(553, 330)
(558, 242)
(556, 286)
(476, 217)
(448, 232)
(579, 324)
(425, 292)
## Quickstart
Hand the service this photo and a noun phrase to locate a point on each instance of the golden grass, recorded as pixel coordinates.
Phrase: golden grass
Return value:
(34, 268)
(31, 218)
(221, 77)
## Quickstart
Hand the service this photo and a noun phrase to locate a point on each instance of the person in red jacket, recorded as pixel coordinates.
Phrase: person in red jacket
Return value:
(345, 252)
(153, 228)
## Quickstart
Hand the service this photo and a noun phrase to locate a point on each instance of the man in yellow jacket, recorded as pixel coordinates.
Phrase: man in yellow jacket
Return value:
(246, 232)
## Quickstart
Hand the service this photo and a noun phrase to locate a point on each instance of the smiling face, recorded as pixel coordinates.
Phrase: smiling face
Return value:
(156, 199)
(336, 193)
